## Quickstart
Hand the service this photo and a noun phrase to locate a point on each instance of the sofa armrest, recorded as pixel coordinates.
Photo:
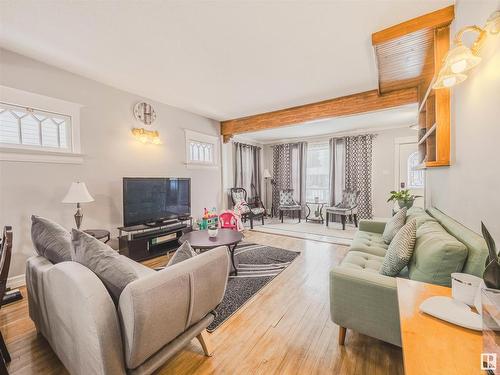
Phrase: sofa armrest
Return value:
(366, 302)
(155, 309)
(372, 226)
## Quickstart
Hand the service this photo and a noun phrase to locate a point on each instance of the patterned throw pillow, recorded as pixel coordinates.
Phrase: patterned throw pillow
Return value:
(400, 250)
(394, 225)
(184, 252)
(286, 198)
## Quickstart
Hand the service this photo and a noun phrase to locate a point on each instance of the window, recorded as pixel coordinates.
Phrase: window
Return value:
(318, 171)
(201, 149)
(415, 176)
(38, 128)
(34, 129)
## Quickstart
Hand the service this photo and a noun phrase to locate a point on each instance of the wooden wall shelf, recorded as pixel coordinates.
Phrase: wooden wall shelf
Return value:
(434, 111)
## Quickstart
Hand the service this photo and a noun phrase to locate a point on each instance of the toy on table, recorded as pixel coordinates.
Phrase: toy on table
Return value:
(209, 219)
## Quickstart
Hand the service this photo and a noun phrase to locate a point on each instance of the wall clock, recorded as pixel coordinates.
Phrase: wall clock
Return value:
(144, 113)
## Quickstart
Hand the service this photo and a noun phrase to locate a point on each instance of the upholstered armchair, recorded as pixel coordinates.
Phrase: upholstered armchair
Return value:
(348, 207)
(247, 211)
(288, 204)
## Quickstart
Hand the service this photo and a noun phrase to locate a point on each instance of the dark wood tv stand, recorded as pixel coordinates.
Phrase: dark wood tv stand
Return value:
(140, 242)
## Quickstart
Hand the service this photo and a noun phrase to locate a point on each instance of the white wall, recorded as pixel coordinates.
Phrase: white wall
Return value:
(468, 190)
(110, 151)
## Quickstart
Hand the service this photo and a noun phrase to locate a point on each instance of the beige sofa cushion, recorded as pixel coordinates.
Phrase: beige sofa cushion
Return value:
(50, 240)
(115, 271)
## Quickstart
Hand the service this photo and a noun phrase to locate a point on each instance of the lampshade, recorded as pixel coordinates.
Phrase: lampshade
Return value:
(267, 174)
(460, 59)
(77, 193)
(446, 79)
(493, 23)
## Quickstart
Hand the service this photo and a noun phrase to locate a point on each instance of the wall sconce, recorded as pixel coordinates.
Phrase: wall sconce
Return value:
(462, 58)
(145, 136)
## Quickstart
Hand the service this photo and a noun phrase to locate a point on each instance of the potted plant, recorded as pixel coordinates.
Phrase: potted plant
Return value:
(403, 197)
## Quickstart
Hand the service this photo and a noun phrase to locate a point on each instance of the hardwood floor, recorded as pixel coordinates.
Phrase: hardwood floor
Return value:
(284, 329)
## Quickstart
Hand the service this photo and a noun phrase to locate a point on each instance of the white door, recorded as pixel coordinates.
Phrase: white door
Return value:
(407, 176)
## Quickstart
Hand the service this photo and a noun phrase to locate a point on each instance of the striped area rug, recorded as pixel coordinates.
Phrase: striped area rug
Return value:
(257, 265)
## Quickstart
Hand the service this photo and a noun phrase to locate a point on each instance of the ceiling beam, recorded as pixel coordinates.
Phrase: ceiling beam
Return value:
(439, 18)
(343, 106)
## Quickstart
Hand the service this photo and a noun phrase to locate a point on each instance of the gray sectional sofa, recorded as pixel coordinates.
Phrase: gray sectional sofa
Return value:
(365, 301)
(156, 315)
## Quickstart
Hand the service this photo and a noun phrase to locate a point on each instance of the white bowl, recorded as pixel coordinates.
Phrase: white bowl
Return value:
(464, 287)
(213, 233)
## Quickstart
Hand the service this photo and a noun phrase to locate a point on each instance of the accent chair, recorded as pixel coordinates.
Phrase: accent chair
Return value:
(249, 211)
(347, 208)
(288, 204)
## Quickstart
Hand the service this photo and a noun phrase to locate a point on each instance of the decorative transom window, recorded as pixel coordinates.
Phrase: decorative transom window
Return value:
(29, 128)
(201, 152)
(201, 149)
(415, 176)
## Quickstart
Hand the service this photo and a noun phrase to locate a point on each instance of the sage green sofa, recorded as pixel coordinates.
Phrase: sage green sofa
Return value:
(365, 301)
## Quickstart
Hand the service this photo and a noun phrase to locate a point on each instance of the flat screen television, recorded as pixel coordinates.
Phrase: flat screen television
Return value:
(151, 200)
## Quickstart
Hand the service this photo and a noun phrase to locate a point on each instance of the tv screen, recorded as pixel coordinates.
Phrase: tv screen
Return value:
(147, 200)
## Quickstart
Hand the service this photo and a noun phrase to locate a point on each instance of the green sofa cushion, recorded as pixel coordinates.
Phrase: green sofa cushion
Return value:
(369, 242)
(419, 214)
(437, 254)
(476, 245)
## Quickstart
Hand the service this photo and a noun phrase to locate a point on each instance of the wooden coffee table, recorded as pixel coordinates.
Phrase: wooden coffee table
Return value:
(430, 345)
(225, 237)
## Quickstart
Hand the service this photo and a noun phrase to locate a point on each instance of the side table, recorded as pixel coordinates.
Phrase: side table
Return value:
(318, 212)
(100, 234)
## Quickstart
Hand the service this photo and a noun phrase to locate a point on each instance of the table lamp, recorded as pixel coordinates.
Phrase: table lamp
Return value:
(78, 193)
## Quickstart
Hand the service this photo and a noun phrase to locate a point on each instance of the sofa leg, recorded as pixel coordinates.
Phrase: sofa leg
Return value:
(251, 223)
(342, 332)
(355, 220)
(205, 343)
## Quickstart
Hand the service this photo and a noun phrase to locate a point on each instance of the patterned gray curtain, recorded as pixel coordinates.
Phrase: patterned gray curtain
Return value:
(358, 171)
(282, 172)
(289, 172)
(247, 168)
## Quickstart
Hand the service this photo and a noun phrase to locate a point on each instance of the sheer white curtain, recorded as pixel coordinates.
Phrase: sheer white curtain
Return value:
(337, 169)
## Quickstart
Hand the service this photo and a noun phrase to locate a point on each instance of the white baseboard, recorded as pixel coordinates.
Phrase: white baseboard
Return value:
(16, 281)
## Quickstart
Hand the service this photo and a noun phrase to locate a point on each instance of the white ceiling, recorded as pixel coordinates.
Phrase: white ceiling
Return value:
(401, 117)
(221, 59)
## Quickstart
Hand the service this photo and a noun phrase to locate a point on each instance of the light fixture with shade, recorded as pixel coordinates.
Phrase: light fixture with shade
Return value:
(78, 193)
(461, 58)
(147, 136)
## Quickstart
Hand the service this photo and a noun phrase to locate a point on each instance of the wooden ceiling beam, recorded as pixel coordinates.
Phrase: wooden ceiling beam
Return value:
(343, 106)
(439, 18)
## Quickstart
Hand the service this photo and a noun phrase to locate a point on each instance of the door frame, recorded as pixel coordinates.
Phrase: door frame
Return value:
(398, 141)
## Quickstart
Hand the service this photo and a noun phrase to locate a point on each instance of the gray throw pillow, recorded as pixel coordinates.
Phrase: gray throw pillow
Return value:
(394, 225)
(184, 252)
(115, 271)
(50, 240)
(400, 250)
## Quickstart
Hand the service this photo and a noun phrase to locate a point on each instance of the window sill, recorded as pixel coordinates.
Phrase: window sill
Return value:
(201, 166)
(35, 156)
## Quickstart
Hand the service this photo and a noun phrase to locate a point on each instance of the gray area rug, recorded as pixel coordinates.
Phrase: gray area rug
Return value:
(257, 265)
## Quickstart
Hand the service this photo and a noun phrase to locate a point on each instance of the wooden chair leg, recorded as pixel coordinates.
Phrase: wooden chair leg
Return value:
(355, 220)
(281, 214)
(327, 218)
(251, 223)
(262, 219)
(3, 349)
(343, 219)
(205, 343)
(342, 332)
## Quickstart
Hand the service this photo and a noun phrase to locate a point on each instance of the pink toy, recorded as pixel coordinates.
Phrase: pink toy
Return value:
(229, 220)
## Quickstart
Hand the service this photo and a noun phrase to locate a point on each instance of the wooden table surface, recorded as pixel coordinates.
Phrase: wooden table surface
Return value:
(431, 345)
